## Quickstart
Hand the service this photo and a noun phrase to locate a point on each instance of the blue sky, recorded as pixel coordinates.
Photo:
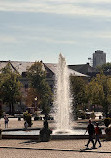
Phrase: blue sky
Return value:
(32, 30)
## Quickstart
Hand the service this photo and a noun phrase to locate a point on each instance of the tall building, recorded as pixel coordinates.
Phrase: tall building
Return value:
(99, 58)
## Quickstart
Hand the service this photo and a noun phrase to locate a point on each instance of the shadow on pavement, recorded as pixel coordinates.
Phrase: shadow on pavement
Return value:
(67, 150)
(31, 142)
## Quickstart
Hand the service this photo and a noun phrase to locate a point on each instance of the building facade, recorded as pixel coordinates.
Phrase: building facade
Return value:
(21, 67)
(99, 58)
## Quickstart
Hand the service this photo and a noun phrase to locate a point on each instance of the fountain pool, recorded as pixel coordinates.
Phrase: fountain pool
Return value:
(36, 132)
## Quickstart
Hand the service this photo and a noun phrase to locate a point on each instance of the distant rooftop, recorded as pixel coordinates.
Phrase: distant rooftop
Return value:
(99, 52)
(22, 66)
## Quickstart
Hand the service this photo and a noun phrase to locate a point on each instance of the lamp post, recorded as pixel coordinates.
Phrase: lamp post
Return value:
(35, 103)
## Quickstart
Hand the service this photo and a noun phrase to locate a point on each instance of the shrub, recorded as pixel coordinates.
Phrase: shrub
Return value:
(92, 115)
(110, 113)
(27, 117)
(82, 114)
(107, 121)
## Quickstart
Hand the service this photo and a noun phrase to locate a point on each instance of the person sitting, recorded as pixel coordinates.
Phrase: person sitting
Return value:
(45, 132)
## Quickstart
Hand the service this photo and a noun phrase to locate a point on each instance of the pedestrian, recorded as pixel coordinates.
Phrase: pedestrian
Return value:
(91, 132)
(25, 125)
(6, 121)
(98, 132)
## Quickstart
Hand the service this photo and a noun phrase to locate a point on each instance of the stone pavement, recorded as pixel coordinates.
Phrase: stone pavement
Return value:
(14, 123)
(52, 149)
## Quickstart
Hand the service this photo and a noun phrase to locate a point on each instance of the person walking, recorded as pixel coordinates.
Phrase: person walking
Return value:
(91, 132)
(98, 132)
(6, 121)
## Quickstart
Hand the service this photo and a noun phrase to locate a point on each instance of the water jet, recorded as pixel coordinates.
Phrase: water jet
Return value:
(62, 98)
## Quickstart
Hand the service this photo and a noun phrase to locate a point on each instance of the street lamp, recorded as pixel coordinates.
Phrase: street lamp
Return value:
(35, 103)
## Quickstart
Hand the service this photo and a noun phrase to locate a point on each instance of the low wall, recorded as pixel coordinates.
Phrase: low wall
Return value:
(53, 137)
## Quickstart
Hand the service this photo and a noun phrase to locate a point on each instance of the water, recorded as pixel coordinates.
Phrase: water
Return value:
(63, 99)
(30, 132)
(36, 132)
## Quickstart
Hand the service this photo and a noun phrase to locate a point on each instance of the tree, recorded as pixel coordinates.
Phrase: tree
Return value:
(1, 109)
(104, 67)
(99, 91)
(78, 85)
(94, 92)
(9, 87)
(37, 79)
(31, 95)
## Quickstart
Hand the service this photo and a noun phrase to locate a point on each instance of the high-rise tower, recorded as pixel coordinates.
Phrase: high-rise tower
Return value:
(99, 58)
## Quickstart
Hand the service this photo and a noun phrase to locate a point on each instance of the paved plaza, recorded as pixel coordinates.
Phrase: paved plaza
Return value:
(14, 123)
(53, 149)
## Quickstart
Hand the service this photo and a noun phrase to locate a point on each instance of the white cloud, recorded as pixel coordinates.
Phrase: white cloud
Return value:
(81, 1)
(56, 41)
(49, 40)
(95, 34)
(23, 38)
(7, 39)
(105, 35)
(70, 38)
(71, 7)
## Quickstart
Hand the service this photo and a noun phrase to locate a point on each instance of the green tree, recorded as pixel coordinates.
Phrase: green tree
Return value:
(99, 91)
(78, 85)
(104, 67)
(9, 87)
(37, 78)
(94, 93)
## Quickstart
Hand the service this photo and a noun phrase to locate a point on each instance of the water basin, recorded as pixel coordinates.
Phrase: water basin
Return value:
(36, 132)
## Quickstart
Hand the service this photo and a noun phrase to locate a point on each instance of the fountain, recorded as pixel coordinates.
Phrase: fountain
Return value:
(63, 100)
(62, 104)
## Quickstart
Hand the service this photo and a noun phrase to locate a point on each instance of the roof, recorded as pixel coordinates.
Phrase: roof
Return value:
(53, 68)
(22, 66)
(75, 73)
(19, 66)
(82, 68)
